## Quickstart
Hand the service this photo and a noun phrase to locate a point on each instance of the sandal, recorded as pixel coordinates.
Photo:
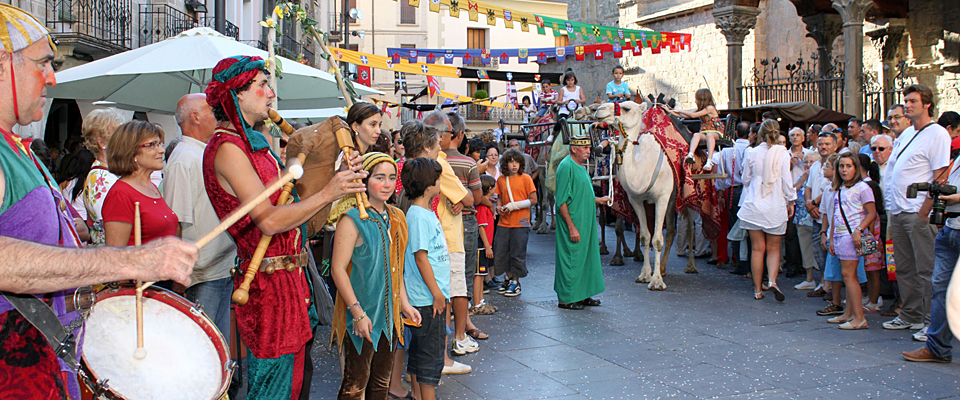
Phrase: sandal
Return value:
(570, 306)
(590, 302)
(850, 326)
(393, 396)
(776, 292)
(477, 334)
(757, 295)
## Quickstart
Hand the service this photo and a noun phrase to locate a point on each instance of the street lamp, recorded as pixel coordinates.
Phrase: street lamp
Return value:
(195, 6)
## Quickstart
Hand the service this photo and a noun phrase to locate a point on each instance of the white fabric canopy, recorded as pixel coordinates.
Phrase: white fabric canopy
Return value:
(154, 77)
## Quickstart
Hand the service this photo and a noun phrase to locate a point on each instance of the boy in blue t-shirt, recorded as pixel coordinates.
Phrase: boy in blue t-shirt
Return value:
(426, 276)
(617, 90)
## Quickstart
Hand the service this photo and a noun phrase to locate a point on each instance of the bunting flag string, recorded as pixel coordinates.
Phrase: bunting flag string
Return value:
(521, 55)
(587, 32)
(404, 67)
(450, 101)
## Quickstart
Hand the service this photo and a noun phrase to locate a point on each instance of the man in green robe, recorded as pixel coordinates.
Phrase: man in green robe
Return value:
(578, 275)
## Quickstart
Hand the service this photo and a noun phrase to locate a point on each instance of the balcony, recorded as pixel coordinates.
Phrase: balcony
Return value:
(95, 27)
(160, 21)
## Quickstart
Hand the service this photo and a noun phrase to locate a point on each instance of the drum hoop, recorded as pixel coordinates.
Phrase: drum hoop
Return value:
(101, 387)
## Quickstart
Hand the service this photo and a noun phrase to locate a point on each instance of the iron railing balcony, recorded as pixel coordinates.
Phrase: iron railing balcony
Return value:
(160, 21)
(98, 28)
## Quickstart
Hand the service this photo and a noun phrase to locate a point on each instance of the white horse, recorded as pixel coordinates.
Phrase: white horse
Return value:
(646, 177)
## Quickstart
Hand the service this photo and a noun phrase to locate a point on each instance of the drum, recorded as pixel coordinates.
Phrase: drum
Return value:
(187, 357)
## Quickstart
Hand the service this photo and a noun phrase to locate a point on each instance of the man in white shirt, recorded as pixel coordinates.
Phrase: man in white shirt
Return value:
(826, 145)
(732, 165)
(938, 347)
(921, 154)
(881, 146)
(184, 192)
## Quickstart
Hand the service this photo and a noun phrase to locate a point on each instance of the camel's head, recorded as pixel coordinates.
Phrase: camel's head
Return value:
(630, 115)
(585, 113)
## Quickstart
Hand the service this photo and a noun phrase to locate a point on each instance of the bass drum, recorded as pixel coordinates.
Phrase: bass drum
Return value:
(187, 357)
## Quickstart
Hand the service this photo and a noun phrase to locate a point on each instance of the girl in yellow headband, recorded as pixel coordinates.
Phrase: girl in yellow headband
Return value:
(367, 268)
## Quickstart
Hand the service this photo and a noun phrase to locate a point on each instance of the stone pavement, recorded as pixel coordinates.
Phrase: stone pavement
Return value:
(704, 337)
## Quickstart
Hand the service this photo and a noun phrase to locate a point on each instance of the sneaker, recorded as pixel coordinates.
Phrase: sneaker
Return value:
(921, 335)
(898, 323)
(503, 286)
(830, 309)
(922, 355)
(456, 369)
(688, 159)
(492, 284)
(513, 289)
(467, 345)
(708, 166)
(805, 285)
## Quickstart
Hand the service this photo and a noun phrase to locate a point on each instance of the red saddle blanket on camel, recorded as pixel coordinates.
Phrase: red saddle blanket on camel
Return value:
(699, 195)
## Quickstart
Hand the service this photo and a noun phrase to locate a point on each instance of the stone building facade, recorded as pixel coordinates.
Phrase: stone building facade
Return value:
(899, 42)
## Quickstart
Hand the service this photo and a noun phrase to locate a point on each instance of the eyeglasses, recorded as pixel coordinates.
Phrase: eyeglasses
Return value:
(894, 116)
(446, 133)
(878, 148)
(492, 156)
(156, 144)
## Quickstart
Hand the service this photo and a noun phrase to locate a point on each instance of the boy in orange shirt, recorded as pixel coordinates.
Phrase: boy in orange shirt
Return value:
(516, 194)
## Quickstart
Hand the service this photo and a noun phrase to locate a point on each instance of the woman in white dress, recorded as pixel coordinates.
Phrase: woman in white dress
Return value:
(766, 205)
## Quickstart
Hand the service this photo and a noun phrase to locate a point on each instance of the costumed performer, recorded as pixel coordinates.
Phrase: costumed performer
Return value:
(578, 272)
(277, 322)
(38, 243)
(367, 267)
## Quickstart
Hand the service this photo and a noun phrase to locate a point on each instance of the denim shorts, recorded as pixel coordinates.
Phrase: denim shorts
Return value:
(427, 347)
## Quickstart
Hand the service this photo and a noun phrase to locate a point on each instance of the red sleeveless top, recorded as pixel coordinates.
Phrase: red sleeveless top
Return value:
(275, 320)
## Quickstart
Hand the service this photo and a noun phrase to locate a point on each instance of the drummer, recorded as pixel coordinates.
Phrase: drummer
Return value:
(38, 243)
(237, 165)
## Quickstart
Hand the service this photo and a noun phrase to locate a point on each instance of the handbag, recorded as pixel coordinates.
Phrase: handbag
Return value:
(868, 243)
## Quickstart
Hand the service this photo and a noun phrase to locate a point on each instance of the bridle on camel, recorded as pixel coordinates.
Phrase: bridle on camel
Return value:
(623, 133)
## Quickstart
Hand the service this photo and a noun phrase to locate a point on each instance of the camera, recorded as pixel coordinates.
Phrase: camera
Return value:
(936, 189)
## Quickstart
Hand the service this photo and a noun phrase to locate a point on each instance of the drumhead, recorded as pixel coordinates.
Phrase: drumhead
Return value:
(181, 361)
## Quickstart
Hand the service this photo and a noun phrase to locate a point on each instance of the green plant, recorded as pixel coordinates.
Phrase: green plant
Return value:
(480, 94)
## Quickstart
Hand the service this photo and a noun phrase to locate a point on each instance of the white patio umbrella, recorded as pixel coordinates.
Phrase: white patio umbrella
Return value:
(152, 78)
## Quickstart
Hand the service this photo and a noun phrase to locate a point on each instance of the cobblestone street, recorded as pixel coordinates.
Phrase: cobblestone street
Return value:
(704, 337)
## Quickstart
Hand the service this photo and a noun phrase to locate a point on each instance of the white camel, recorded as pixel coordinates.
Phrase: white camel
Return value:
(646, 177)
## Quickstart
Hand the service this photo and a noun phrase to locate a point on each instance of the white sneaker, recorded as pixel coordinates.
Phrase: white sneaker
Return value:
(461, 347)
(708, 166)
(898, 323)
(921, 335)
(456, 369)
(805, 285)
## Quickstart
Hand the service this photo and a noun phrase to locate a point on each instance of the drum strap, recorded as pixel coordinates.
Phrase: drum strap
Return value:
(42, 317)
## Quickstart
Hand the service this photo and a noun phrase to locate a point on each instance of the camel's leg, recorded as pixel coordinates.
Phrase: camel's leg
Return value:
(626, 249)
(617, 255)
(553, 212)
(656, 281)
(539, 211)
(547, 208)
(691, 243)
(645, 272)
(603, 231)
(671, 225)
(637, 255)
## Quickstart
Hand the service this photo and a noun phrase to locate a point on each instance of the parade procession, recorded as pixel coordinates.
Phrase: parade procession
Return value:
(459, 199)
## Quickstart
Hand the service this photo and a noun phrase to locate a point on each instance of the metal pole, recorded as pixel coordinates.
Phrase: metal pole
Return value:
(220, 17)
(345, 23)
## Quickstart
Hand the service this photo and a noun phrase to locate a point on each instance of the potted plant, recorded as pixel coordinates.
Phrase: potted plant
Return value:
(478, 111)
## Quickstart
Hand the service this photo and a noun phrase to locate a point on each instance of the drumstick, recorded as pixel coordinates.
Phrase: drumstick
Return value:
(242, 294)
(294, 171)
(141, 352)
(345, 141)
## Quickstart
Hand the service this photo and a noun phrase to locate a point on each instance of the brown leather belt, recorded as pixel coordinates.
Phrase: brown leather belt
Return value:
(270, 265)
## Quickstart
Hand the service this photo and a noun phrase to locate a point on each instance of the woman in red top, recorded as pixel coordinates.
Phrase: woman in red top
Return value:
(135, 151)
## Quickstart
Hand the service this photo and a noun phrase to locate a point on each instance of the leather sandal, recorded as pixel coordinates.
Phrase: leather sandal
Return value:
(570, 306)
(591, 302)
(477, 334)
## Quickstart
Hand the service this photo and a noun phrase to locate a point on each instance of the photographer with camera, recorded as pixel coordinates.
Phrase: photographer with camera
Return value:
(947, 250)
(921, 154)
